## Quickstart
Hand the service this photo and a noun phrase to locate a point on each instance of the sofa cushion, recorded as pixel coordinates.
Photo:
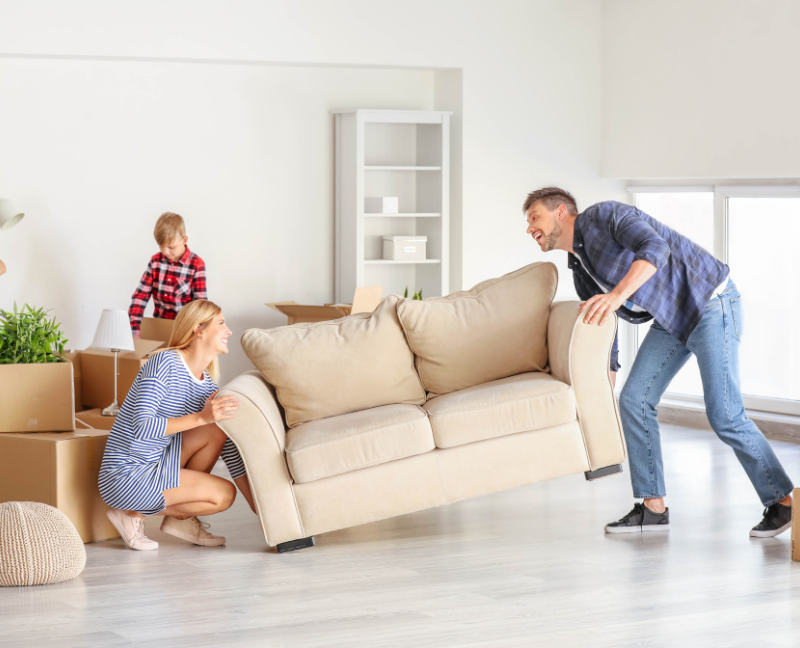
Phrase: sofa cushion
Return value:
(342, 444)
(495, 330)
(330, 368)
(529, 401)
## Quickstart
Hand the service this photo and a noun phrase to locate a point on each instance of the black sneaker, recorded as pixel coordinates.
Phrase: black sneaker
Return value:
(777, 518)
(639, 519)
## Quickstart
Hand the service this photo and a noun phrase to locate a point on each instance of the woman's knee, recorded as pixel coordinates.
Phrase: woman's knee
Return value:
(226, 494)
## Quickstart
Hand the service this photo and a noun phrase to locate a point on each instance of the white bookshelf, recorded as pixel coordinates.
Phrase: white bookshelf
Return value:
(402, 153)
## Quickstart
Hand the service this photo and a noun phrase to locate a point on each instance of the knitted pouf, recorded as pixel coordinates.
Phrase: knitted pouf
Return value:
(38, 545)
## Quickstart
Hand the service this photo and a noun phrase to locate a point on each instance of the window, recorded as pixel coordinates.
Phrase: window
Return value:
(742, 226)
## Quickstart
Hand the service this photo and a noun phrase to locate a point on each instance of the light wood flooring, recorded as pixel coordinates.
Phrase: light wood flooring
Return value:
(527, 567)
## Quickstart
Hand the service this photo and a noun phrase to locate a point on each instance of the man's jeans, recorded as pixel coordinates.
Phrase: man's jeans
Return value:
(715, 342)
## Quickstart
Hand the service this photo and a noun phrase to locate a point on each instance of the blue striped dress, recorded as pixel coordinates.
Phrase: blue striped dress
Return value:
(141, 461)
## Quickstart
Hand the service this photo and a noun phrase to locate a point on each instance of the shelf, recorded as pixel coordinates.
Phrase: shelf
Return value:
(419, 215)
(391, 261)
(402, 168)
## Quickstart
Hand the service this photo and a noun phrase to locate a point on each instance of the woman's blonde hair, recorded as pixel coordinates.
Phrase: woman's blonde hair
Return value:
(200, 312)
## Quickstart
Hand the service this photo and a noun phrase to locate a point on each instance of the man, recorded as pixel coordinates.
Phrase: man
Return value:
(627, 262)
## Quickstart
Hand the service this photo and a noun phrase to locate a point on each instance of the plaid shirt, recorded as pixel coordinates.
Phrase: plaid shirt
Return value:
(173, 284)
(610, 236)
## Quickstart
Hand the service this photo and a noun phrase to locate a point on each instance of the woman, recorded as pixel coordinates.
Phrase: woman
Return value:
(165, 440)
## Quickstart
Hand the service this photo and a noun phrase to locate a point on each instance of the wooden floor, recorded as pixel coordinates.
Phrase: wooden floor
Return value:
(521, 568)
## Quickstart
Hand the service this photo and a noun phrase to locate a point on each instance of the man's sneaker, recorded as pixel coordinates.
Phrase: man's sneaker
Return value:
(192, 530)
(640, 519)
(132, 530)
(777, 518)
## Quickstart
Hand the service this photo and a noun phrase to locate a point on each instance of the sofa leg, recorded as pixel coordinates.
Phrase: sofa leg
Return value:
(602, 472)
(296, 545)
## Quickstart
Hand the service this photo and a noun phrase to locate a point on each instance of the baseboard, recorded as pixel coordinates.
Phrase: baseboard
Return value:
(778, 427)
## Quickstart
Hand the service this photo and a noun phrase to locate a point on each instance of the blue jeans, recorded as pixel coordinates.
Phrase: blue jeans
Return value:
(715, 342)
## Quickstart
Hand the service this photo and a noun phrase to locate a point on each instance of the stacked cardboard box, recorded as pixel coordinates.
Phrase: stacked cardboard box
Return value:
(97, 367)
(59, 469)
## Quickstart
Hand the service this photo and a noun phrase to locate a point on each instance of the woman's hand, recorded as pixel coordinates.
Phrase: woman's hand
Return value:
(218, 409)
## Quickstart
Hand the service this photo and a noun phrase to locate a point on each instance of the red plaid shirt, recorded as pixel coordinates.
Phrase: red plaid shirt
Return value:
(173, 284)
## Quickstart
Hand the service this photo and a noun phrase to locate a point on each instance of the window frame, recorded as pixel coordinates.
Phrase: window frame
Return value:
(722, 194)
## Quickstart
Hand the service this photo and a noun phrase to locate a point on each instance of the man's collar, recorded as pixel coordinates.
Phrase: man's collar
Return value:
(577, 237)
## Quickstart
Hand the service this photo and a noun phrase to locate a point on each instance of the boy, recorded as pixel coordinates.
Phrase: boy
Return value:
(175, 276)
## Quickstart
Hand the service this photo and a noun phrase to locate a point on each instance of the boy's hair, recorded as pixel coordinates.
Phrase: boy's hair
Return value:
(169, 226)
(551, 198)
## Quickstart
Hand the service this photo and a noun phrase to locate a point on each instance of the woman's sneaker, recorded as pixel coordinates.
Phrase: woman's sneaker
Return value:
(132, 530)
(192, 530)
(640, 519)
(777, 518)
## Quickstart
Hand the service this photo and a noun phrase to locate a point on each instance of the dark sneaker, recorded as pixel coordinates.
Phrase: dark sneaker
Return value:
(777, 518)
(640, 519)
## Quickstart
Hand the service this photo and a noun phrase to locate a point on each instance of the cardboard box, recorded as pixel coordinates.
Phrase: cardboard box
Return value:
(365, 300)
(37, 397)
(98, 372)
(97, 367)
(94, 418)
(75, 358)
(796, 524)
(156, 329)
(60, 470)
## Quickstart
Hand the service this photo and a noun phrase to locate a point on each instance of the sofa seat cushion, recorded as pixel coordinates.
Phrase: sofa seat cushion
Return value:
(325, 369)
(497, 329)
(342, 444)
(529, 401)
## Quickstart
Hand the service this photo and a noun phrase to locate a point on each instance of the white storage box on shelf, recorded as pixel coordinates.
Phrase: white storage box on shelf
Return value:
(405, 248)
(381, 205)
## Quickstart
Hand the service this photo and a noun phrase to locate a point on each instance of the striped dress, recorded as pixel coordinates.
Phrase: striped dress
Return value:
(140, 460)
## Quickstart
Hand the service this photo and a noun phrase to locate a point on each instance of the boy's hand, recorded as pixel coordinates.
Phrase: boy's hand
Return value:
(218, 409)
(137, 334)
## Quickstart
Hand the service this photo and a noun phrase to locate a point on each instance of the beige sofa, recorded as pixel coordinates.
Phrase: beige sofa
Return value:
(421, 404)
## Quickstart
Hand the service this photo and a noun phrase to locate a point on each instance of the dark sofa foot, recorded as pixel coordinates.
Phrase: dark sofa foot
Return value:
(602, 472)
(295, 545)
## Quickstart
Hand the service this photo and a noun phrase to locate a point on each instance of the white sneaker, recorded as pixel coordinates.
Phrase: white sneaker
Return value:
(132, 530)
(192, 530)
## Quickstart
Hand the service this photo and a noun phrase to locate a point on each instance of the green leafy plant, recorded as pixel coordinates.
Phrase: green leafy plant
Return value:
(417, 295)
(27, 337)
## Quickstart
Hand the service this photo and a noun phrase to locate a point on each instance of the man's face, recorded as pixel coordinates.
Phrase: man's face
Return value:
(544, 225)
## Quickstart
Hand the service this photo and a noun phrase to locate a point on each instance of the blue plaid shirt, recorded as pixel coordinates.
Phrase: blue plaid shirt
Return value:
(610, 236)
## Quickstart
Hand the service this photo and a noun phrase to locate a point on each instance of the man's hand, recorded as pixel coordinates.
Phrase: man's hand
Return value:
(600, 307)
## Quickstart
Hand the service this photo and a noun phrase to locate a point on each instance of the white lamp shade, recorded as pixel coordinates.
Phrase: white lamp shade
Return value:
(9, 214)
(113, 332)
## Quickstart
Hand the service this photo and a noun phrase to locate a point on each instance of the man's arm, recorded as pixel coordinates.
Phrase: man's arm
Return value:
(599, 307)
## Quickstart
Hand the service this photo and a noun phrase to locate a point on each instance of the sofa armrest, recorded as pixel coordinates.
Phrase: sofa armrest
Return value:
(259, 434)
(579, 356)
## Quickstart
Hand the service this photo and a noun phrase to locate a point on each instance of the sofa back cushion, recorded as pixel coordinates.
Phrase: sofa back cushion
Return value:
(330, 368)
(497, 329)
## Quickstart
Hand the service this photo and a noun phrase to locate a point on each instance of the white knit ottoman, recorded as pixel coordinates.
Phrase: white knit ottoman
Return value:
(38, 545)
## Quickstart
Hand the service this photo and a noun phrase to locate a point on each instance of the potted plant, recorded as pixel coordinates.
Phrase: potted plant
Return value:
(37, 386)
(417, 295)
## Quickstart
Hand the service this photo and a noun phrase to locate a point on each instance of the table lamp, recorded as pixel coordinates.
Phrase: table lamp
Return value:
(9, 216)
(113, 334)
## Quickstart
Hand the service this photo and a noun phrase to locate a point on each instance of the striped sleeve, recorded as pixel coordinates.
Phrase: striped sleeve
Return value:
(147, 425)
(233, 460)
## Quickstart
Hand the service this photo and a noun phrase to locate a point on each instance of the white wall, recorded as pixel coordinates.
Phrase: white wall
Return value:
(95, 146)
(701, 89)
